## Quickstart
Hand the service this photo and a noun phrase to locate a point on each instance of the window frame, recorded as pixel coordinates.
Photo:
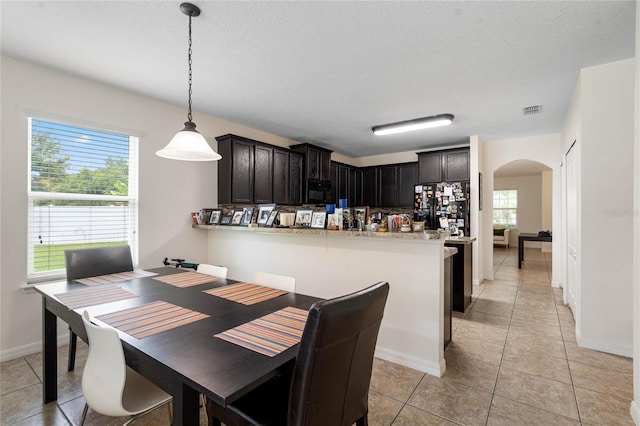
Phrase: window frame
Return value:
(132, 197)
(509, 224)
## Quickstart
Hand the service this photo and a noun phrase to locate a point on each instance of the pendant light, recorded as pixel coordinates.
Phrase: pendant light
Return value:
(188, 144)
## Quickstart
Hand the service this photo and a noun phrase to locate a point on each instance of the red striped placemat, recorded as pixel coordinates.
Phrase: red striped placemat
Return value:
(151, 318)
(113, 278)
(270, 334)
(94, 296)
(186, 279)
(246, 293)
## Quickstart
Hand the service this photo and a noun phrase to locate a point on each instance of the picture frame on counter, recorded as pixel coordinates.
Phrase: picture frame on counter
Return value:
(303, 217)
(237, 217)
(215, 217)
(271, 218)
(247, 216)
(206, 215)
(318, 220)
(264, 211)
(226, 217)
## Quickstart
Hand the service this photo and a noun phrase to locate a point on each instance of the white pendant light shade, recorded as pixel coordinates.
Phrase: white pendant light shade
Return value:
(189, 145)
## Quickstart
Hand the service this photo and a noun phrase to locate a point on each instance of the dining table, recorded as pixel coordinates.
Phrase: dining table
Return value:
(187, 360)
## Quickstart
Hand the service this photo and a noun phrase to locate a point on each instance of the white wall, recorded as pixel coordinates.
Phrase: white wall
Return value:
(529, 212)
(544, 149)
(601, 121)
(547, 205)
(635, 410)
(169, 190)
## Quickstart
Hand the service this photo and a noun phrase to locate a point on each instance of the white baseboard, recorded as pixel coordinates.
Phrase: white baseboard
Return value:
(555, 284)
(411, 362)
(28, 349)
(475, 282)
(603, 347)
(635, 413)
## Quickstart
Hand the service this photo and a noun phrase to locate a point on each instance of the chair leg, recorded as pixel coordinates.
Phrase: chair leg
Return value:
(363, 421)
(73, 342)
(84, 414)
(203, 404)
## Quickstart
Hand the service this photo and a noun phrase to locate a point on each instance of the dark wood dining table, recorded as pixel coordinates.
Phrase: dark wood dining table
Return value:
(185, 361)
(529, 237)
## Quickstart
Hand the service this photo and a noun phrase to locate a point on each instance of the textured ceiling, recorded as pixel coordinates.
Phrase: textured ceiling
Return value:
(325, 72)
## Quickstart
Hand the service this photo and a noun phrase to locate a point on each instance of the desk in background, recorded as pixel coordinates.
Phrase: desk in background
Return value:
(528, 237)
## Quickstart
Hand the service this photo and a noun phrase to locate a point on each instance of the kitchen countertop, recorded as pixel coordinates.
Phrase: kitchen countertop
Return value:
(311, 231)
(459, 240)
(449, 251)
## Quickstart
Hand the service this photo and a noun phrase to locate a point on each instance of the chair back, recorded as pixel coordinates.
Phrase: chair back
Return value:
(216, 271)
(105, 372)
(280, 282)
(331, 377)
(91, 262)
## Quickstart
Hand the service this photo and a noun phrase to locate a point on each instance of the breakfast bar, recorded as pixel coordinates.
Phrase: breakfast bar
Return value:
(331, 263)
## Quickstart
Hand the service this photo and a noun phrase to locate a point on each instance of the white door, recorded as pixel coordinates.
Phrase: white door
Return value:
(572, 224)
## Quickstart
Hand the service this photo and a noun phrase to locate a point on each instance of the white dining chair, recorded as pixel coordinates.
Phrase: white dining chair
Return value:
(216, 271)
(280, 282)
(109, 386)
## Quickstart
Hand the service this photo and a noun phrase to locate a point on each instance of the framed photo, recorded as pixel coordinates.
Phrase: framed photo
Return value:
(215, 217)
(271, 218)
(226, 217)
(247, 216)
(237, 217)
(264, 210)
(206, 215)
(303, 217)
(360, 217)
(318, 220)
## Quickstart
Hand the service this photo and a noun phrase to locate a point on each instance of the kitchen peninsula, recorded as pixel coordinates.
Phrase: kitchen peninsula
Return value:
(332, 263)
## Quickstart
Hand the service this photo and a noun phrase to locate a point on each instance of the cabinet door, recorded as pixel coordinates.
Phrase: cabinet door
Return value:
(370, 186)
(430, 167)
(455, 164)
(343, 182)
(296, 178)
(281, 173)
(242, 173)
(388, 176)
(355, 187)
(407, 178)
(324, 166)
(334, 183)
(313, 164)
(263, 186)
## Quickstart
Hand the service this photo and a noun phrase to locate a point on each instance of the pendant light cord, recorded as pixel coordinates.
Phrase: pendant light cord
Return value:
(189, 113)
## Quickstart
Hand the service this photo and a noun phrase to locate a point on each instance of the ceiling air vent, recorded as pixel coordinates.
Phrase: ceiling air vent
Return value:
(533, 109)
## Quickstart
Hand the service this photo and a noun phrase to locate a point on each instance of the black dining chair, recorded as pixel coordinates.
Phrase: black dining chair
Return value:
(329, 382)
(92, 262)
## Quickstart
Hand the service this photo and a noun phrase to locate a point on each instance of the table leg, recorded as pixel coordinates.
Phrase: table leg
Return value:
(520, 253)
(49, 355)
(186, 405)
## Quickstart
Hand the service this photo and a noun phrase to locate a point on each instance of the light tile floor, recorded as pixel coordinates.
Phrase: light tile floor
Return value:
(513, 360)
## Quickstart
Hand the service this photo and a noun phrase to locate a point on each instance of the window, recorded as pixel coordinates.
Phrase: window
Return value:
(83, 192)
(505, 208)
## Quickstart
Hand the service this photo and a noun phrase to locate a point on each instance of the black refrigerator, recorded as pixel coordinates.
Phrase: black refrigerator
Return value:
(443, 205)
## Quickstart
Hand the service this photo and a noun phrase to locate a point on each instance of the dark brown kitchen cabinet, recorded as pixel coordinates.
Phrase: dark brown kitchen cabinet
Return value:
(235, 171)
(388, 185)
(370, 186)
(449, 165)
(263, 169)
(396, 183)
(317, 161)
(340, 182)
(430, 167)
(252, 172)
(355, 187)
(407, 178)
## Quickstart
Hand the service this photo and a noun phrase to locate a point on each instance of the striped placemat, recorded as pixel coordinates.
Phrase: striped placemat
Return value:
(186, 279)
(113, 278)
(245, 293)
(94, 296)
(270, 334)
(151, 318)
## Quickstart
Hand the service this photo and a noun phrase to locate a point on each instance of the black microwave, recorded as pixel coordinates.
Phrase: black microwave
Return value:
(318, 191)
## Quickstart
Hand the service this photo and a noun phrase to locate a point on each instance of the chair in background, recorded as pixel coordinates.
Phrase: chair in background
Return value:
(92, 262)
(280, 282)
(109, 386)
(330, 381)
(214, 270)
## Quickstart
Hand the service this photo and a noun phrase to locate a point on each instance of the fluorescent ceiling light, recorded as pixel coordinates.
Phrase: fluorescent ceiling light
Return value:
(411, 125)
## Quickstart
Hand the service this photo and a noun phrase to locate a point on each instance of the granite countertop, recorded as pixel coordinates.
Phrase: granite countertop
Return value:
(449, 251)
(459, 240)
(309, 231)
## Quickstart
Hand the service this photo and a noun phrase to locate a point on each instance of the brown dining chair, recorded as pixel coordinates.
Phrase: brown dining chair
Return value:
(329, 382)
(92, 262)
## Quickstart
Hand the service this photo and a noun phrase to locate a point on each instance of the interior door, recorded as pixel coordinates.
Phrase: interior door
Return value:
(573, 234)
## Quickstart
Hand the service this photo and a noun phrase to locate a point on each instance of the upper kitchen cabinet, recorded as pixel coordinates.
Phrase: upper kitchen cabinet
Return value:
(407, 178)
(443, 166)
(340, 182)
(396, 184)
(252, 172)
(370, 186)
(317, 161)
